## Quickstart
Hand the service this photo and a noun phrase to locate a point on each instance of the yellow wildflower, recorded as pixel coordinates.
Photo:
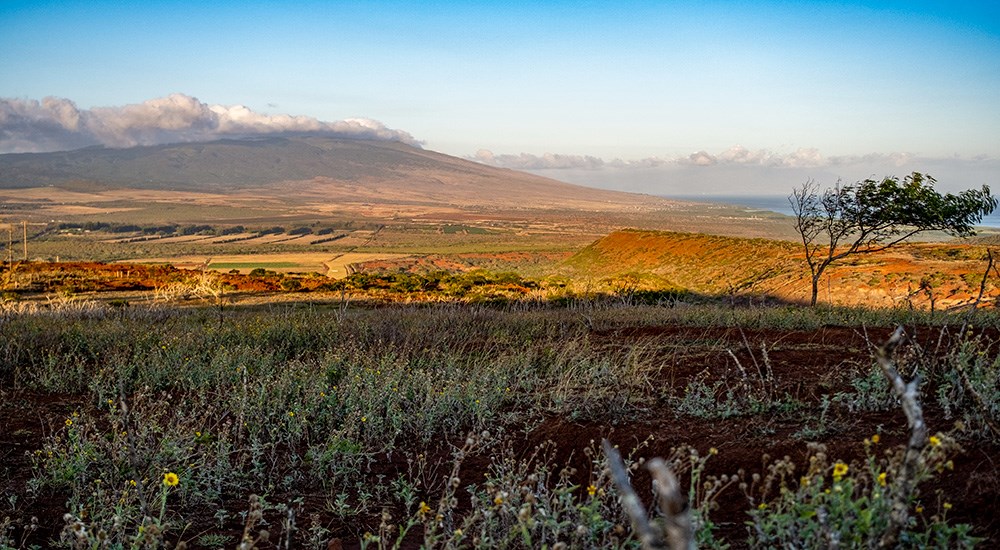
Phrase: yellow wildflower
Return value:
(170, 479)
(881, 479)
(839, 469)
(875, 438)
(591, 490)
(69, 422)
(423, 509)
(934, 440)
(919, 509)
(947, 506)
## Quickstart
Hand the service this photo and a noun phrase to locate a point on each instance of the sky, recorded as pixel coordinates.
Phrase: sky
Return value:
(665, 97)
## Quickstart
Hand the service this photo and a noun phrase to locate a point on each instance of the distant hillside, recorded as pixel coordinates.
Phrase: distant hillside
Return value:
(910, 275)
(331, 169)
(697, 262)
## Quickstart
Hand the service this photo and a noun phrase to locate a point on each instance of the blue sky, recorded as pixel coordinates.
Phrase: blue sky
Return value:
(792, 84)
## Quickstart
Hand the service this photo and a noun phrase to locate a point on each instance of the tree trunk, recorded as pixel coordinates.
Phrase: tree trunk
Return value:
(815, 288)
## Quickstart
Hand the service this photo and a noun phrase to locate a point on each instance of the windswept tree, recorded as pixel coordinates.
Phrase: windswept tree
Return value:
(871, 216)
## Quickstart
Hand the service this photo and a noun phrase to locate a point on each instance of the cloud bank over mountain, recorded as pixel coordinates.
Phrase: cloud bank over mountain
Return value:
(742, 171)
(734, 156)
(57, 124)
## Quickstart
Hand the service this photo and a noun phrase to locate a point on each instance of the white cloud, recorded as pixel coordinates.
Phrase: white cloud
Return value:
(548, 161)
(699, 158)
(734, 156)
(55, 124)
(739, 170)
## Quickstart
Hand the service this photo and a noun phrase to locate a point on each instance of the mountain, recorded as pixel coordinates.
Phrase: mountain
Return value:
(308, 168)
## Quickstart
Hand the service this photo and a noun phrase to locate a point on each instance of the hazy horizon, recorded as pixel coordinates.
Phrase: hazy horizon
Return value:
(655, 98)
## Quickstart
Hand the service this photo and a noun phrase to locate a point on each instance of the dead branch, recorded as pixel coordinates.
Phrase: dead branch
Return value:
(677, 532)
(913, 459)
(982, 291)
(650, 536)
(674, 507)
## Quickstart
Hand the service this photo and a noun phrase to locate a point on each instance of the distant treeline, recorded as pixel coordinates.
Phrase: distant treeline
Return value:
(170, 230)
(486, 285)
(436, 281)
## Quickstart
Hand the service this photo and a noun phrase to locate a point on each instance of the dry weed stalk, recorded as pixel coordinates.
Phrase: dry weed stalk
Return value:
(677, 532)
(959, 368)
(133, 453)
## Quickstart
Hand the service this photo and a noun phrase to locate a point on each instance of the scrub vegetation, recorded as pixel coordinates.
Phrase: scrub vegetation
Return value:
(333, 423)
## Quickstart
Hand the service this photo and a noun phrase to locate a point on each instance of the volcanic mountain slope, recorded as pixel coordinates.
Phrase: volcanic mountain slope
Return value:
(307, 168)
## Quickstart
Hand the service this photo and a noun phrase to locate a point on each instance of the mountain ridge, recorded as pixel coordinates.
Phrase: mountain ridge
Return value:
(309, 168)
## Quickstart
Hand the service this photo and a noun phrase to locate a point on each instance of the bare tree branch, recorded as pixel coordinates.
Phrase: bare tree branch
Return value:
(673, 505)
(649, 534)
(677, 532)
(913, 460)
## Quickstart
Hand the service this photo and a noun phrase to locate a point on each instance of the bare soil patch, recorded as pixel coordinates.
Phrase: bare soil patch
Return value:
(806, 365)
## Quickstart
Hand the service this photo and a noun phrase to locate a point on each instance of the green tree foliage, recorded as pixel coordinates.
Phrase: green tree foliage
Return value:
(871, 216)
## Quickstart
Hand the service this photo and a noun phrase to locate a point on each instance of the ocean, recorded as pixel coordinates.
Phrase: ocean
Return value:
(780, 204)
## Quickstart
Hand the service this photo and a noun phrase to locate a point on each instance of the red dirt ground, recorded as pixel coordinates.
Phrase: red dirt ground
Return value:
(807, 364)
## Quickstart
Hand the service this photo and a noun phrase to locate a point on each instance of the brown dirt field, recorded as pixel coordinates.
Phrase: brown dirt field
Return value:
(807, 364)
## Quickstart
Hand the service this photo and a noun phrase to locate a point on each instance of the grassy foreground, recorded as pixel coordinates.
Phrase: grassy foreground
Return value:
(458, 426)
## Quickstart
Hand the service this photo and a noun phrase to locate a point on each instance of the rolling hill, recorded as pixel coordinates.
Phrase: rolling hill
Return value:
(941, 275)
